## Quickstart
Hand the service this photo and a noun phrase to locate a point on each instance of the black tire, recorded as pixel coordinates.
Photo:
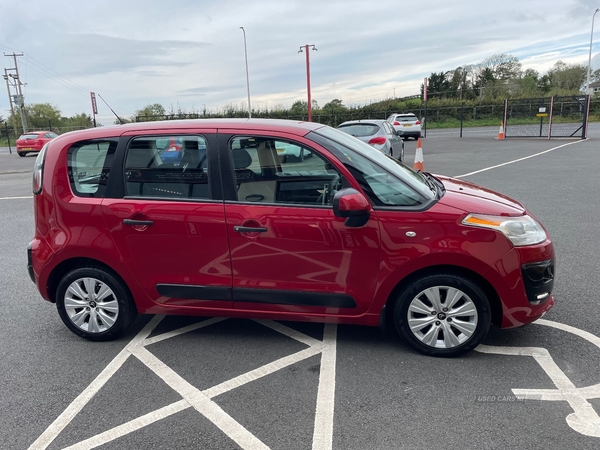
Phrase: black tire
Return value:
(21, 153)
(391, 152)
(105, 315)
(453, 332)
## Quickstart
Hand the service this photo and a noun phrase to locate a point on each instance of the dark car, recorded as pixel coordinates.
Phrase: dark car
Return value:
(33, 141)
(348, 235)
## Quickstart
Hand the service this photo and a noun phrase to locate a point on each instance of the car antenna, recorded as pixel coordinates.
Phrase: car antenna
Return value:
(121, 121)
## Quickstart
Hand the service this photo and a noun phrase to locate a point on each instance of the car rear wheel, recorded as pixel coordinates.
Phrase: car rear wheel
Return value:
(21, 153)
(442, 315)
(94, 304)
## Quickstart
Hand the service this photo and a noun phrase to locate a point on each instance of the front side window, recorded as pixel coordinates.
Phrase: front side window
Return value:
(387, 182)
(171, 167)
(89, 166)
(283, 172)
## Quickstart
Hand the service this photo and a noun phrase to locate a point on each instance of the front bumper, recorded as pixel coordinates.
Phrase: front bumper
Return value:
(523, 279)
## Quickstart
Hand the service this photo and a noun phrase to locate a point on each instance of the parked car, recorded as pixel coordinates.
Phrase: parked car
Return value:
(407, 125)
(170, 149)
(348, 236)
(377, 133)
(33, 141)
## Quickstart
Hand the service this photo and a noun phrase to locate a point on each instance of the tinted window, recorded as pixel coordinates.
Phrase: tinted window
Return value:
(277, 171)
(89, 166)
(173, 167)
(360, 129)
(30, 136)
(406, 118)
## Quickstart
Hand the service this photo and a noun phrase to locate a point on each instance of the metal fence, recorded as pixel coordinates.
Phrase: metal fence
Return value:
(549, 117)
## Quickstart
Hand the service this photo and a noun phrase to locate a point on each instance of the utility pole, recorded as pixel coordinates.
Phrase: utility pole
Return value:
(19, 99)
(305, 48)
(12, 110)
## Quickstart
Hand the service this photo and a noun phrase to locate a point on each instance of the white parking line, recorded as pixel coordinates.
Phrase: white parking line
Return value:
(584, 419)
(517, 160)
(83, 399)
(323, 431)
(14, 198)
(202, 400)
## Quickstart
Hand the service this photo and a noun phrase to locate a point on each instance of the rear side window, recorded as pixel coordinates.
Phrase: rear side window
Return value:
(89, 166)
(170, 167)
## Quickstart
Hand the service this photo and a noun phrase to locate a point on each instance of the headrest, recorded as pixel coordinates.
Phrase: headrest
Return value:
(241, 158)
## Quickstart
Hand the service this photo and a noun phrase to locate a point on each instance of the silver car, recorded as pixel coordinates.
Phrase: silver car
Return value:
(406, 125)
(378, 134)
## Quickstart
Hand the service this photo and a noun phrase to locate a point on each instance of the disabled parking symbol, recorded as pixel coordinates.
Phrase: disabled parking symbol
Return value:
(584, 419)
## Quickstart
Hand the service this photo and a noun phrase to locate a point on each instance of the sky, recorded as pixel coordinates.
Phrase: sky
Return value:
(189, 54)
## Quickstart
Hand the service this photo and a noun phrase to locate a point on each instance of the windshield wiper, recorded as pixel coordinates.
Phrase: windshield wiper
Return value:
(434, 184)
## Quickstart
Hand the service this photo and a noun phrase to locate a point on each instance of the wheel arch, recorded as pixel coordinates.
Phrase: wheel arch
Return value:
(74, 263)
(485, 285)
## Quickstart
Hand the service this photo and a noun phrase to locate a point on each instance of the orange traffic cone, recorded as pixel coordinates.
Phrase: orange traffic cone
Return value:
(501, 131)
(419, 163)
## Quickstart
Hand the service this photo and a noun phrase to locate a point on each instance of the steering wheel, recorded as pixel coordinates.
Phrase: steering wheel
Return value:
(327, 196)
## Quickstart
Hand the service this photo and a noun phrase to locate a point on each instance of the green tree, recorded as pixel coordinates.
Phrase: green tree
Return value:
(77, 121)
(567, 78)
(299, 107)
(438, 85)
(151, 112)
(333, 107)
(503, 67)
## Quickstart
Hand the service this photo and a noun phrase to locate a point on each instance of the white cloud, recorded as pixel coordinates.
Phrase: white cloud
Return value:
(190, 53)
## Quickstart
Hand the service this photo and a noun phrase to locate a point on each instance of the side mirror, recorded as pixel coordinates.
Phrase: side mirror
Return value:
(352, 205)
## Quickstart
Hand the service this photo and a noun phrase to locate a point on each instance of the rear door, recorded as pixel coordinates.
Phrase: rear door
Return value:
(168, 221)
(289, 253)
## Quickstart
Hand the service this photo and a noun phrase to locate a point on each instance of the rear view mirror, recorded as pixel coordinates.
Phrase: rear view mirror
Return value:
(352, 205)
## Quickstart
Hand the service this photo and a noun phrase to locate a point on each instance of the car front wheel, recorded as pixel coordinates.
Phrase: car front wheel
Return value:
(442, 315)
(94, 304)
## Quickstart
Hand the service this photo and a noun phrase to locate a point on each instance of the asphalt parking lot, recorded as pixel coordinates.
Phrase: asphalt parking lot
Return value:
(188, 383)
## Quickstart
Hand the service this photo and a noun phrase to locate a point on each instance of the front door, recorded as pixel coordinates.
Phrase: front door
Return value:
(289, 253)
(169, 229)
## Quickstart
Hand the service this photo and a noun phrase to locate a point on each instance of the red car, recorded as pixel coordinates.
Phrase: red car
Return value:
(348, 235)
(33, 141)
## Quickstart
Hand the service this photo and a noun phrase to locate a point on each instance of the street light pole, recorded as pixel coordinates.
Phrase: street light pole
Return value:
(247, 78)
(305, 49)
(590, 58)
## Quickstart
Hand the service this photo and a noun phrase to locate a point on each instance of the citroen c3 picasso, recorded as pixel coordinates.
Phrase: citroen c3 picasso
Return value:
(233, 229)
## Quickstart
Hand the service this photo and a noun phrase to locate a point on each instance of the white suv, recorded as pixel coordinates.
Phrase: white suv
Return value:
(406, 125)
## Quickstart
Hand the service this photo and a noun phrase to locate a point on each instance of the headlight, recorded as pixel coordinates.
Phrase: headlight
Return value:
(522, 230)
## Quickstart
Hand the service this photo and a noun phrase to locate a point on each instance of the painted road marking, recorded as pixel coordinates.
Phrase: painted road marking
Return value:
(517, 160)
(584, 419)
(14, 198)
(202, 400)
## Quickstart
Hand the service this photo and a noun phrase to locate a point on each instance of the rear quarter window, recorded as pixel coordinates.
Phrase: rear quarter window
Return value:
(89, 166)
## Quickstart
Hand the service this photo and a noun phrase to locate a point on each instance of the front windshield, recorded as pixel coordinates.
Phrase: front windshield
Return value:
(367, 159)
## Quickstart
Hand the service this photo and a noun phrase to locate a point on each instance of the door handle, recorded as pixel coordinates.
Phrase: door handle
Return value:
(137, 222)
(240, 229)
